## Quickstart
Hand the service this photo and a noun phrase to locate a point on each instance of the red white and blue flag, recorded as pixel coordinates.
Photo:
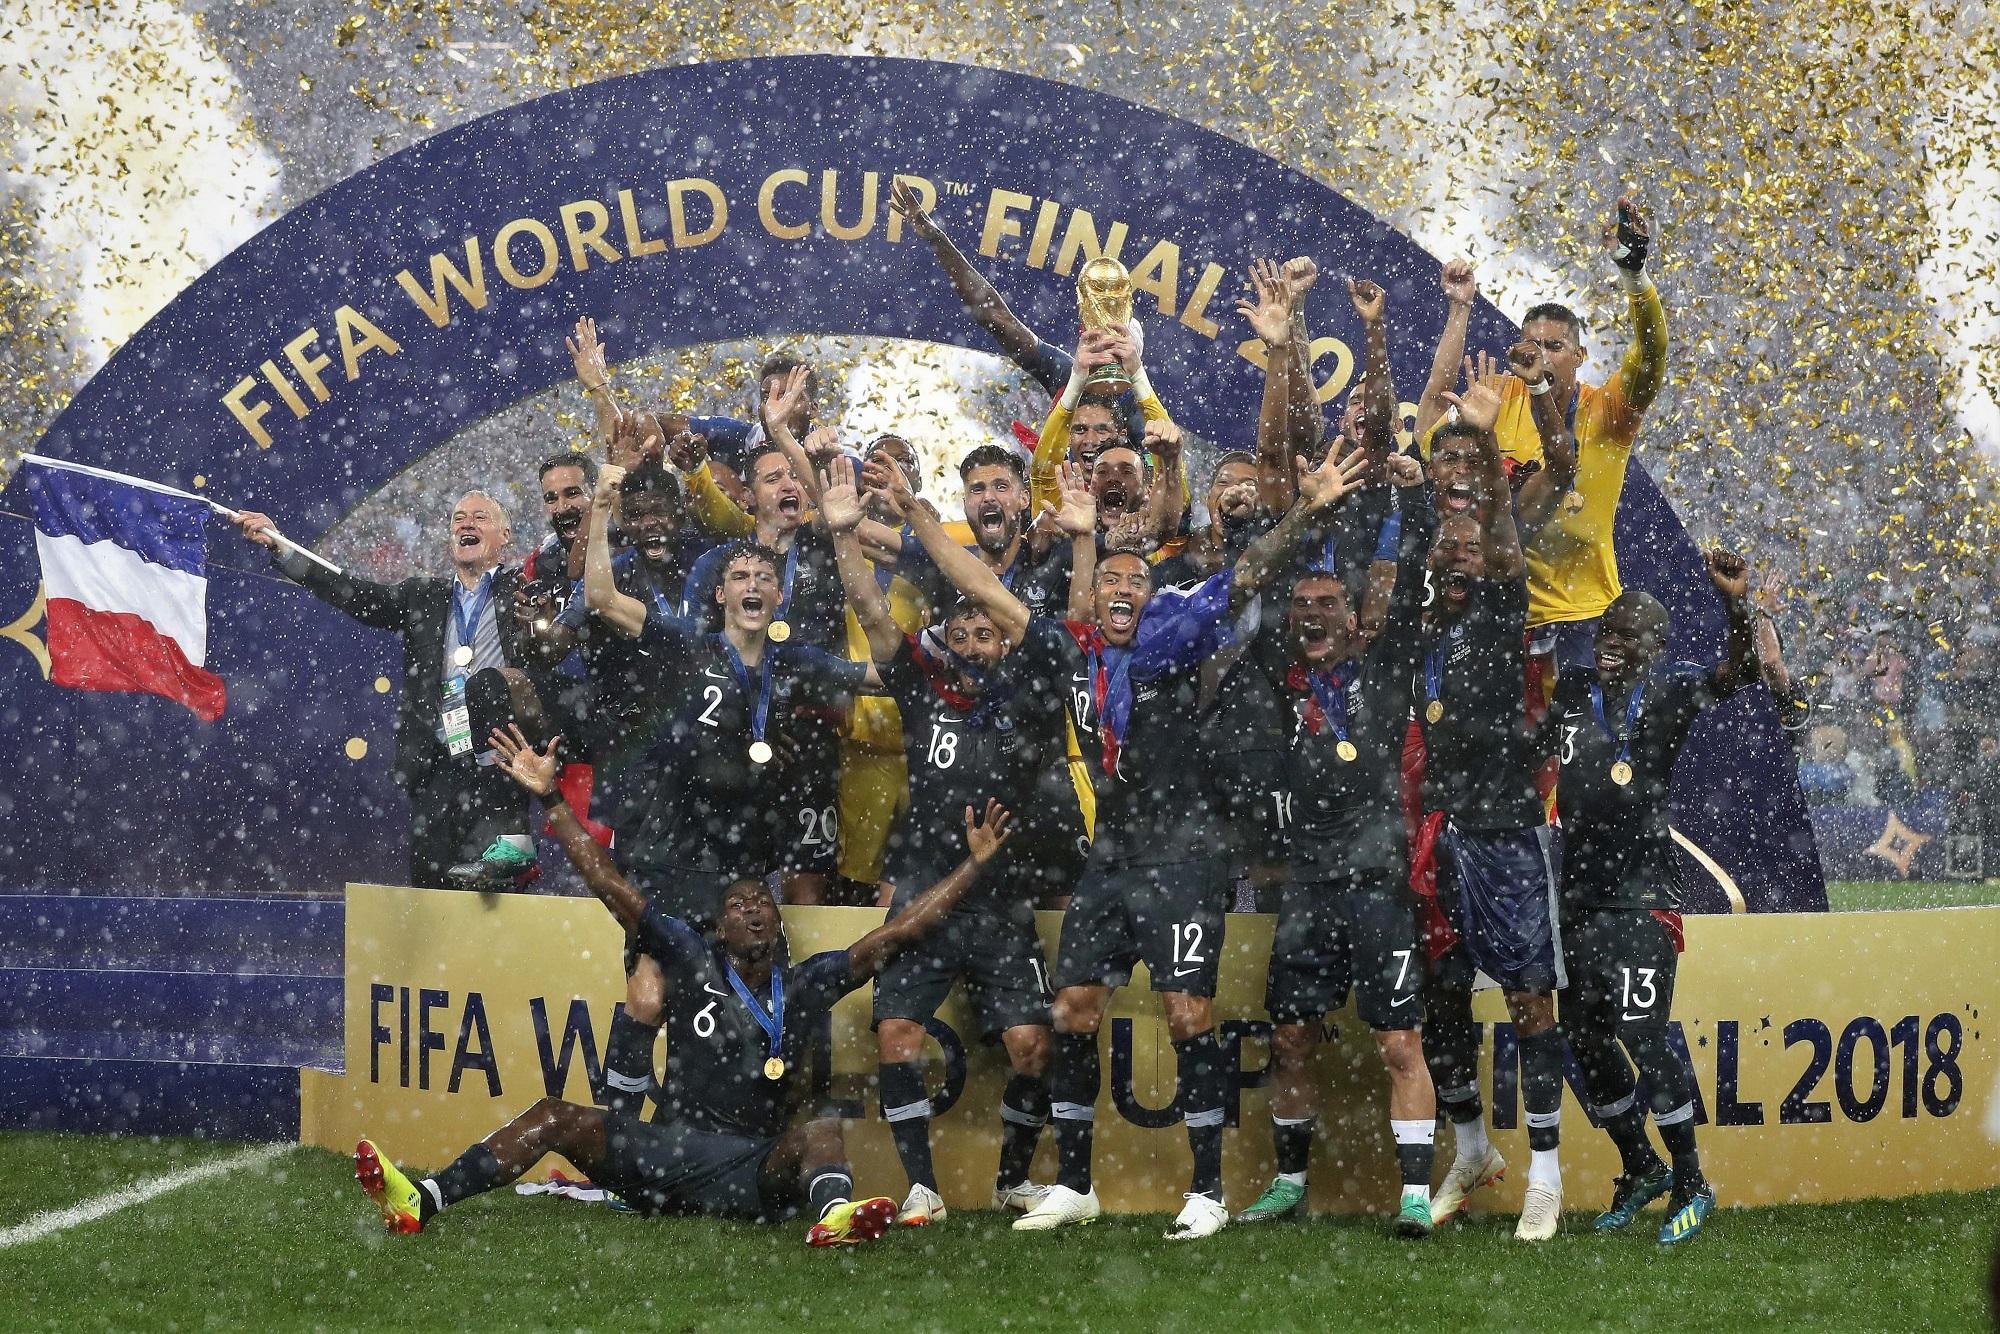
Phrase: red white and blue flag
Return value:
(124, 572)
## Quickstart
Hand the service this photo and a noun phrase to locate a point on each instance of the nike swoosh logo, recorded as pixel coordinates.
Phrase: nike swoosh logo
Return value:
(1405, 1001)
(710, 671)
(1183, 972)
(713, 992)
(948, 718)
(1641, 1015)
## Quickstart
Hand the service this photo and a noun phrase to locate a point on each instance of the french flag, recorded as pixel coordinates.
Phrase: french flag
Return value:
(123, 570)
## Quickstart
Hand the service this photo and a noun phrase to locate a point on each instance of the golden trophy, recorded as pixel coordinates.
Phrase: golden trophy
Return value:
(1104, 294)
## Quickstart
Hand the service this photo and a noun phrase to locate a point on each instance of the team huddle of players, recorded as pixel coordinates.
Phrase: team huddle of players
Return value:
(1367, 675)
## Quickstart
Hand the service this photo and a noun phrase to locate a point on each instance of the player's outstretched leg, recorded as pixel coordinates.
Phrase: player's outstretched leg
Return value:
(1074, 1080)
(1451, 1050)
(550, 1126)
(1024, 1110)
(829, 1183)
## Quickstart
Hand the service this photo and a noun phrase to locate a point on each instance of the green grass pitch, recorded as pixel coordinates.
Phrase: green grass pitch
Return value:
(293, 1245)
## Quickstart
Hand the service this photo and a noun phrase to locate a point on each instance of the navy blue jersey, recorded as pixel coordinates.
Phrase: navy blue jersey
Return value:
(1040, 582)
(713, 808)
(811, 600)
(1617, 849)
(716, 1048)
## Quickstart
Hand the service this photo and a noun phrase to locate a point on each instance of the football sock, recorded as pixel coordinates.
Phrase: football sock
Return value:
(1201, 1100)
(628, 1064)
(1468, 1121)
(472, 1173)
(1625, 1121)
(1677, 1132)
(1293, 1140)
(906, 1106)
(832, 1184)
(1073, 1105)
(1024, 1110)
(1542, 1087)
(1544, 1167)
(1416, 1146)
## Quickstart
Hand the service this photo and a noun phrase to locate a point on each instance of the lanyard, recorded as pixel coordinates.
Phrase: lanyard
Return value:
(791, 573)
(466, 625)
(772, 1022)
(1111, 685)
(762, 712)
(1329, 689)
(1434, 664)
(1623, 736)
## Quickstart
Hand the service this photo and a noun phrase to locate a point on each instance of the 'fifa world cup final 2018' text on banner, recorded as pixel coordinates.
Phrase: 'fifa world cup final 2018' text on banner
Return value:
(1837, 1056)
(685, 206)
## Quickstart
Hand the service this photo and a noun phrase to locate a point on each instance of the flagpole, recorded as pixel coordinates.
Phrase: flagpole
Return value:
(164, 489)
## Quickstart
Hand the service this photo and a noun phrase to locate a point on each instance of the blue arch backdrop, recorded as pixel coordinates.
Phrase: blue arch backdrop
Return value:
(680, 206)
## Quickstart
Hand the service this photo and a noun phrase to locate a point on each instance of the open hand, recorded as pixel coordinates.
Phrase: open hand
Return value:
(840, 501)
(782, 406)
(904, 199)
(632, 443)
(985, 837)
(533, 769)
(1270, 316)
(1479, 405)
(1334, 478)
(1078, 515)
(587, 355)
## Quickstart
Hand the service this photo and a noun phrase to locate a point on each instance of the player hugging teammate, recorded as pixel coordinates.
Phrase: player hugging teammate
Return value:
(1359, 678)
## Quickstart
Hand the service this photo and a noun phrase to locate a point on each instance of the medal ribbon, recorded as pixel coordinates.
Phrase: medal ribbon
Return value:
(1111, 688)
(762, 713)
(791, 573)
(1329, 691)
(773, 1021)
(467, 624)
(1434, 664)
(1623, 736)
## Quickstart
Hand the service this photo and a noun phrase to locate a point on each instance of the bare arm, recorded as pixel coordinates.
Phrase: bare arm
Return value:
(601, 595)
(1731, 576)
(967, 573)
(870, 954)
(1542, 492)
(1319, 490)
(1302, 408)
(1479, 407)
(975, 293)
(1378, 422)
(1167, 500)
(1459, 289)
(840, 507)
(1270, 318)
(535, 770)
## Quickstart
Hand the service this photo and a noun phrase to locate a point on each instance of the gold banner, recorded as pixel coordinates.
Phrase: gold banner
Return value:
(1838, 1056)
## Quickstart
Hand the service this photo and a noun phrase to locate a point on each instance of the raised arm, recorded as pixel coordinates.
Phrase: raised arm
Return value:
(378, 606)
(978, 296)
(1556, 478)
(1319, 491)
(840, 508)
(535, 770)
(1270, 318)
(1645, 366)
(1305, 417)
(1078, 519)
(594, 374)
(1479, 407)
(1730, 574)
(1052, 446)
(967, 573)
(621, 611)
(1460, 289)
(1166, 500)
(869, 955)
(1378, 421)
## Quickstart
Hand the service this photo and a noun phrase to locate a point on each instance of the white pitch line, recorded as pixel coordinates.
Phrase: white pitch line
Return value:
(53, 1221)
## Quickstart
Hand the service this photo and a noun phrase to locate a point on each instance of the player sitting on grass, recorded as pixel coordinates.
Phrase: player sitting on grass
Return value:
(739, 1022)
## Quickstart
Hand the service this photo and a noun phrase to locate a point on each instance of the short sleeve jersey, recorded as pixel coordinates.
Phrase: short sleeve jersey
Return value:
(714, 808)
(1617, 849)
(716, 1049)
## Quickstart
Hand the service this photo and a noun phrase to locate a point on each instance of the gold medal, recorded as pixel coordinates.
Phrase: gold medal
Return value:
(462, 656)
(1434, 711)
(774, 1068)
(1621, 773)
(760, 752)
(1572, 502)
(779, 632)
(1346, 751)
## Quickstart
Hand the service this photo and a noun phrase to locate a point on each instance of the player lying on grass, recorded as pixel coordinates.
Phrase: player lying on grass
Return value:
(739, 1020)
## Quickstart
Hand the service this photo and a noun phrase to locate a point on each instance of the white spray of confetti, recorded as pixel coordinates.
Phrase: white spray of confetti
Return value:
(1962, 197)
(928, 394)
(131, 154)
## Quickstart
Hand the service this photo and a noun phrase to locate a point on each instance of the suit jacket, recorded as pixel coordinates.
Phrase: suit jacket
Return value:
(419, 610)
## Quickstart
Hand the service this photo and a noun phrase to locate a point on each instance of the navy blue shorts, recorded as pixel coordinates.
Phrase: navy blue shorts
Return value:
(665, 1167)
(1502, 898)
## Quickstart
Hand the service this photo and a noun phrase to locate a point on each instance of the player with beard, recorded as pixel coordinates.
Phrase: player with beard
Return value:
(1153, 891)
(995, 502)
(1347, 918)
(1497, 882)
(970, 734)
(1617, 731)
(713, 808)
(742, 1020)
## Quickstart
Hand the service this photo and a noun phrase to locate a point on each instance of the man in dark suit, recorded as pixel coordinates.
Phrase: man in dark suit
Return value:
(459, 636)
